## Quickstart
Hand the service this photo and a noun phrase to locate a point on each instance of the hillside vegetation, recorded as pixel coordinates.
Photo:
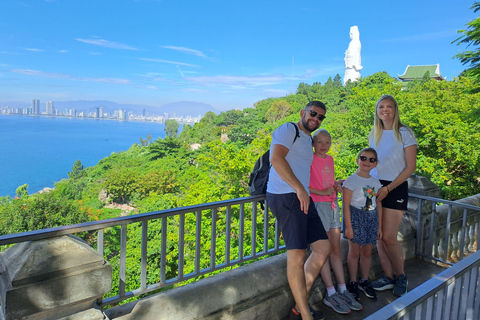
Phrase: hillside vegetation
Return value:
(168, 173)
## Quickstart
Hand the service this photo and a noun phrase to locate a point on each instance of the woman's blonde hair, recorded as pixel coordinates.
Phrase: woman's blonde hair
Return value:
(378, 126)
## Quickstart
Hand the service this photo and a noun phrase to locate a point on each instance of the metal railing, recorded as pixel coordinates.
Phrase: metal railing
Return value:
(182, 244)
(452, 294)
(447, 231)
(238, 232)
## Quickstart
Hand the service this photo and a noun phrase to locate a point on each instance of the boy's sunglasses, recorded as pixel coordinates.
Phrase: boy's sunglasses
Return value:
(314, 113)
(372, 160)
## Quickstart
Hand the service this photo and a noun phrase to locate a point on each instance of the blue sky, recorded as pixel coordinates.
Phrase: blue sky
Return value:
(229, 54)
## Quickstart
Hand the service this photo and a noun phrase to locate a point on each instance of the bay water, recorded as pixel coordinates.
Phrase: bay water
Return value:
(40, 151)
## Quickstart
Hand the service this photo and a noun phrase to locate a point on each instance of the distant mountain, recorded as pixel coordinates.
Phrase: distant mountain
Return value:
(179, 109)
(187, 108)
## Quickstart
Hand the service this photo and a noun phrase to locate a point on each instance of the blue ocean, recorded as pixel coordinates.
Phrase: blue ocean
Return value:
(40, 151)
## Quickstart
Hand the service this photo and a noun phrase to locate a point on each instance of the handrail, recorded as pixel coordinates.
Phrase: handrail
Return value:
(452, 294)
(102, 224)
(445, 230)
(262, 241)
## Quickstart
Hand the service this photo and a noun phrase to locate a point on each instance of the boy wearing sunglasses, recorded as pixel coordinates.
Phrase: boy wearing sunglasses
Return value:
(290, 202)
(362, 214)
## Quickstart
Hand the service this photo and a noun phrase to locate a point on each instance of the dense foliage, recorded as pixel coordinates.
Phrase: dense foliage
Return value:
(211, 161)
(471, 37)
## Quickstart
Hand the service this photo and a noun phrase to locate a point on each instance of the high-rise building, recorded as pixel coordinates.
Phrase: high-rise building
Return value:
(49, 107)
(36, 106)
(100, 112)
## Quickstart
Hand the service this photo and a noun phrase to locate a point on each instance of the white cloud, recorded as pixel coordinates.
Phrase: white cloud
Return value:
(106, 80)
(34, 49)
(194, 90)
(67, 76)
(171, 62)
(63, 51)
(39, 73)
(105, 43)
(238, 81)
(187, 51)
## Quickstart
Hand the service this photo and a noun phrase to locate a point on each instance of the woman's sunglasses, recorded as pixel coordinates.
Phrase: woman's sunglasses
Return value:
(314, 113)
(372, 160)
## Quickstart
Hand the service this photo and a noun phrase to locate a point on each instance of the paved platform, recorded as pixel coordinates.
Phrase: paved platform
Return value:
(418, 271)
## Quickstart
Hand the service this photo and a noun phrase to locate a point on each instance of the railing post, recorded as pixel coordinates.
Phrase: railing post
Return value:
(143, 261)
(417, 210)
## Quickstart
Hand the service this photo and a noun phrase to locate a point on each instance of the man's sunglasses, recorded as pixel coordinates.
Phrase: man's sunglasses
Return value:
(314, 113)
(372, 160)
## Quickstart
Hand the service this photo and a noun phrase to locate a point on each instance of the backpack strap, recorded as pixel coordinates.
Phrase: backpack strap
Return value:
(297, 132)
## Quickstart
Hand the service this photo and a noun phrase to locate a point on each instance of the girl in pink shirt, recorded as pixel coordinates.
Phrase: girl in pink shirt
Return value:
(323, 190)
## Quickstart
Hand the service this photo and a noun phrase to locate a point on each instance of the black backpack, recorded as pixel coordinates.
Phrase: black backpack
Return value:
(261, 170)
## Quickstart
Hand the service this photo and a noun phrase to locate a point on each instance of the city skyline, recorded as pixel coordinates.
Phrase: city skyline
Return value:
(228, 55)
(97, 113)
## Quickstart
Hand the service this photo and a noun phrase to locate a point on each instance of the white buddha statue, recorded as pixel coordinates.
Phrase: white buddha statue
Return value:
(353, 61)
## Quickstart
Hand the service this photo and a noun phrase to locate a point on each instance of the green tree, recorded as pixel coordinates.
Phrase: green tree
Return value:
(471, 37)
(426, 77)
(279, 110)
(72, 188)
(122, 183)
(171, 128)
(377, 79)
(21, 191)
(228, 118)
(78, 171)
(186, 135)
(303, 88)
(337, 81)
(165, 147)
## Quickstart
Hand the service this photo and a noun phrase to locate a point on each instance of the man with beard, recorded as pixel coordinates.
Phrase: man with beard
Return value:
(289, 200)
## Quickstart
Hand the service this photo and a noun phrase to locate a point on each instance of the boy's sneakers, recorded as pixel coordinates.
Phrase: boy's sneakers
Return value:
(317, 315)
(349, 299)
(383, 283)
(401, 284)
(366, 287)
(352, 287)
(336, 303)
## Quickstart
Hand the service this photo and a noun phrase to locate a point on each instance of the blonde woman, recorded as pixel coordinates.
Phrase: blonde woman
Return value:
(397, 159)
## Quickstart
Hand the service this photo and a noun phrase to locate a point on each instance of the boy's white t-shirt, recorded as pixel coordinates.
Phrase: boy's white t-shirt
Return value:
(299, 157)
(362, 189)
(391, 154)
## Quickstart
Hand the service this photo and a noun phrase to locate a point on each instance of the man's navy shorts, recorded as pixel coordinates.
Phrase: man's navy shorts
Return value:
(298, 229)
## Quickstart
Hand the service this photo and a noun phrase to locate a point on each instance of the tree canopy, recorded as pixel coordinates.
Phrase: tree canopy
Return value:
(471, 37)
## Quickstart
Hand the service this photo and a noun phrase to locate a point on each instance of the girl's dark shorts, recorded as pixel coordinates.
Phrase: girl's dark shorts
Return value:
(397, 198)
(298, 229)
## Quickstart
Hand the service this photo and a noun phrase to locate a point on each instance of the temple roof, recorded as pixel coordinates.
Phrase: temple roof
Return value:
(417, 72)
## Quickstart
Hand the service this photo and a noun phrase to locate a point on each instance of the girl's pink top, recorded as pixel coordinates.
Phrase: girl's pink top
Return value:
(322, 176)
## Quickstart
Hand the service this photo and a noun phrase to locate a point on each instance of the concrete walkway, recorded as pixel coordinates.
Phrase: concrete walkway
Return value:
(418, 271)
